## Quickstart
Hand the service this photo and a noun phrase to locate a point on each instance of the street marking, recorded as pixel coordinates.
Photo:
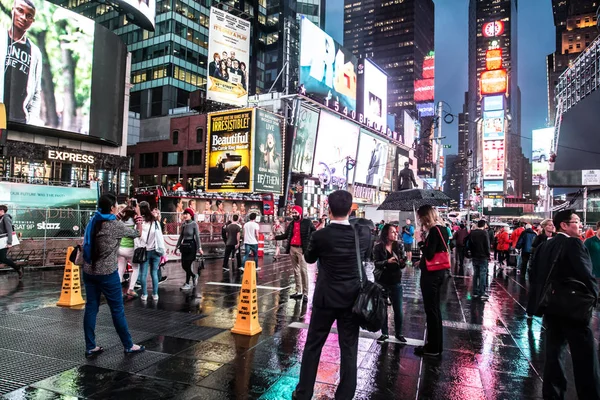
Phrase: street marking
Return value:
(365, 334)
(240, 285)
(475, 327)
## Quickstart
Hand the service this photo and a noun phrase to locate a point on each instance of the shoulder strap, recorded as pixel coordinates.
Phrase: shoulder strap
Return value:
(148, 236)
(358, 258)
(442, 237)
(553, 264)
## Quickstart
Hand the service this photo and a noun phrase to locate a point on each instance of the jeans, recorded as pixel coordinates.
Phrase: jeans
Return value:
(247, 249)
(110, 286)
(395, 294)
(431, 286)
(480, 274)
(8, 261)
(152, 261)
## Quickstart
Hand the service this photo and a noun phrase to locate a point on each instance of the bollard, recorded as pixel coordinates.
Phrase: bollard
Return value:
(246, 322)
(261, 244)
(70, 294)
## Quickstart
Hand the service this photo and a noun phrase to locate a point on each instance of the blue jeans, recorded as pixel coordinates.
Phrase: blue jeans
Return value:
(247, 249)
(480, 275)
(395, 295)
(110, 286)
(152, 261)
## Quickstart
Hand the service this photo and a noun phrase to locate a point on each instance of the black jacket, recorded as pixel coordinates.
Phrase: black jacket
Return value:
(539, 240)
(338, 280)
(433, 244)
(392, 273)
(306, 228)
(478, 243)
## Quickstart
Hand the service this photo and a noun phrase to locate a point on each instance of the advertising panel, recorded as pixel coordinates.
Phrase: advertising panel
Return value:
(494, 82)
(409, 130)
(493, 59)
(429, 67)
(493, 186)
(307, 122)
(229, 48)
(493, 103)
(326, 68)
(493, 159)
(510, 188)
(371, 160)
(541, 148)
(268, 152)
(426, 109)
(143, 12)
(375, 94)
(43, 196)
(424, 89)
(337, 140)
(492, 29)
(493, 125)
(228, 155)
(389, 176)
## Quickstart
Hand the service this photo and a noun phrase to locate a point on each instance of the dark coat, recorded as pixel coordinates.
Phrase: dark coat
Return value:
(406, 179)
(306, 229)
(392, 273)
(525, 242)
(338, 280)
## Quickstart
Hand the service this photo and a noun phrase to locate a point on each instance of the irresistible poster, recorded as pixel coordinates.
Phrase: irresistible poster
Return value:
(229, 55)
(307, 121)
(268, 152)
(493, 159)
(228, 156)
(371, 160)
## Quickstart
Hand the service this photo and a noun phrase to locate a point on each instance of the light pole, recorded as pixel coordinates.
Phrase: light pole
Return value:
(438, 140)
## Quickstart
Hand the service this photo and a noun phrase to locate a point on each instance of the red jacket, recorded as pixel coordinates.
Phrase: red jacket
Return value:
(514, 238)
(503, 241)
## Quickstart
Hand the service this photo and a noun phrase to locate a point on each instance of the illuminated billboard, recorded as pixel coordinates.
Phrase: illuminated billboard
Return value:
(426, 109)
(493, 159)
(229, 52)
(326, 68)
(493, 29)
(493, 186)
(494, 82)
(493, 125)
(510, 188)
(268, 152)
(429, 67)
(541, 148)
(374, 94)
(371, 160)
(409, 129)
(424, 89)
(493, 59)
(307, 122)
(493, 103)
(337, 140)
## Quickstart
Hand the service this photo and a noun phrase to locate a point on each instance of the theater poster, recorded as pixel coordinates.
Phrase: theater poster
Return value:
(268, 152)
(229, 151)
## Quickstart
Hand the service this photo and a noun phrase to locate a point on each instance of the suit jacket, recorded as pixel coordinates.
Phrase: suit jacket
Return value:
(306, 228)
(406, 179)
(338, 280)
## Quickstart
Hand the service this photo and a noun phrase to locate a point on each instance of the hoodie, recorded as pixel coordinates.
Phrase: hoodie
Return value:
(6, 227)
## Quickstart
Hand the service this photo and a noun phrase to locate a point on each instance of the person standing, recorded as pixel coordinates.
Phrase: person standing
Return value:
(408, 238)
(569, 259)
(338, 285)
(277, 230)
(478, 243)
(298, 235)
(535, 287)
(389, 259)
(514, 239)
(126, 248)
(525, 244)
(148, 239)
(251, 230)
(189, 244)
(6, 229)
(593, 246)
(406, 178)
(232, 242)
(503, 245)
(460, 237)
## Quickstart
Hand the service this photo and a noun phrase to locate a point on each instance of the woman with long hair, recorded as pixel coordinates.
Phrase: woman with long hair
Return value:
(148, 239)
(127, 216)
(389, 261)
(222, 72)
(101, 242)
(189, 244)
(535, 287)
(436, 239)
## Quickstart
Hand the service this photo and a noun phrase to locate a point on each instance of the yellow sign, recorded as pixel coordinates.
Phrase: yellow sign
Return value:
(247, 317)
(70, 295)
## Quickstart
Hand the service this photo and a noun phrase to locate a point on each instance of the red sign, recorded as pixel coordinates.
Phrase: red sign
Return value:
(493, 82)
(429, 67)
(424, 90)
(493, 59)
(492, 29)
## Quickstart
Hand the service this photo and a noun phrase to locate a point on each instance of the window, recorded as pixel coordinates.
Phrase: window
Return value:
(148, 160)
(194, 157)
(175, 137)
(578, 45)
(199, 135)
(172, 159)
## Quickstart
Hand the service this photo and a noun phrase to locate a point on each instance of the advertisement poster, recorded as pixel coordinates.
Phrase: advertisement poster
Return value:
(327, 70)
(493, 186)
(371, 160)
(493, 159)
(409, 130)
(541, 148)
(337, 140)
(510, 188)
(43, 196)
(228, 156)
(268, 152)
(229, 55)
(493, 103)
(389, 177)
(375, 94)
(307, 122)
(47, 74)
(493, 125)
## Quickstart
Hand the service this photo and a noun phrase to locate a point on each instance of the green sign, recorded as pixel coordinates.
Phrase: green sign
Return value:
(41, 196)
(268, 152)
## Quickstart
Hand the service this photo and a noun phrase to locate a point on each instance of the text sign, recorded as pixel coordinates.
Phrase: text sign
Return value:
(590, 177)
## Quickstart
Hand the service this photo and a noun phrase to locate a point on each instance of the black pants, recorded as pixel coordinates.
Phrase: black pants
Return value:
(8, 261)
(187, 267)
(320, 324)
(460, 258)
(431, 286)
(524, 261)
(503, 255)
(583, 352)
(229, 251)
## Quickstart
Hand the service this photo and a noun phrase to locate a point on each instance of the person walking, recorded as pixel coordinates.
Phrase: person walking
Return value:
(338, 285)
(503, 245)
(277, 230)
(460, 237)
(298, 235)
(592, 244)
(525, 244)
(389, 261)
(408, 238)
(6, 229)
(126, 248)
(251, 230)
(478, 243)
(101, 242)
(148, 239)
(565, 257)
(436, 239)
(189, 245)
(232, 242)
(535, 287)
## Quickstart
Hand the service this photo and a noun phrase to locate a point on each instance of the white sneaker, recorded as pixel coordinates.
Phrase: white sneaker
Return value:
(258, 268)
(195, 280)
(185, 287)
(144, 297)
(155, 297)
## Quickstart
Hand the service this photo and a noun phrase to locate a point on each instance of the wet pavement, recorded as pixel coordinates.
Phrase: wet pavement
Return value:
(489, 350)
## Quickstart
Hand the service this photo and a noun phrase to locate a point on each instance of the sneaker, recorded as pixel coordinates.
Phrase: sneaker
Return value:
(241, 269)
(382, 338)
(296, 296)
(138, 285)
(225, 269)
(484, 297)
(132, 294)
(476, 296)
(186, 286)
(420, 351)
(144, 297)
(258, 268)
(163, 279)
(195, 280)
(155, 297)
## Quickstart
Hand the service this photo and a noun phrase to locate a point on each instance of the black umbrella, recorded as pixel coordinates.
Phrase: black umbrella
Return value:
(412, 199)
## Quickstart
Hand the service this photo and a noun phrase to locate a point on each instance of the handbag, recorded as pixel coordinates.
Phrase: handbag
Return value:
(140, 254)
(4, 240)
(200, 259)
(369, 307)
(440, 260)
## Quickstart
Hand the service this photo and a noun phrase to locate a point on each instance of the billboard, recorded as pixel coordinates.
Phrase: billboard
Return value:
(43, 196)
(389, 176)
(493, 125)
(229, 52)
(493, 59)
(374, 94)
(307, 122)
(326, 68)
(493, 103)
(493, 29)
(429, 67)
(142, 11)
(510, 188)
(493, 159)
(424, 89)
(494, 82)
(426, 109)
(228, 155)
(493, 186)
(337, 140)
(268, 152)
(409, 130)
(541, 148)
(371, 160)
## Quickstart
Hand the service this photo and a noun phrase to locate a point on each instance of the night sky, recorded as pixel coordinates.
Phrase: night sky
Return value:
(536, 40)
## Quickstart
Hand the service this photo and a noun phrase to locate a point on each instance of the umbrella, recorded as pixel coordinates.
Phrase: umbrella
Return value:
(412, 199)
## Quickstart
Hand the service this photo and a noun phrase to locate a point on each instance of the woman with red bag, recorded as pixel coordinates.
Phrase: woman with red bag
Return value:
(435, 260)
(503, 245)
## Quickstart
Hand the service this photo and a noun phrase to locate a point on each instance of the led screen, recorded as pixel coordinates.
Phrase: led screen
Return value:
(371, 160)
(510, 188)
(493, 159)
(409, 130)
(493, 125)
(375, 94)
(493, 186)
(337, 140)
(426, 109)
(494, 82)
(493, 103)
(424, 89)
(541, 147)
(326, 68)
(429, 67)
(307, 122)
(493, 59)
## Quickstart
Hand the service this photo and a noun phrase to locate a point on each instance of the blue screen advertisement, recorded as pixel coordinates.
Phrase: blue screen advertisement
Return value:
(493, 103)
(493, 186)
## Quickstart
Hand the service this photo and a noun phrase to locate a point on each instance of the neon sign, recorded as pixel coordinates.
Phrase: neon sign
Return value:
(493, 59)
(494, 82)
(492, 29)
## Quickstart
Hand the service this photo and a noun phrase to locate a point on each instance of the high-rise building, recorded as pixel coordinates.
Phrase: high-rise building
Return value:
(463, 149)
(314, 10)
(453, 177)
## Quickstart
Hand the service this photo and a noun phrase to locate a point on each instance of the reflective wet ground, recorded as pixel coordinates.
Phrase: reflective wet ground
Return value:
(490, 351)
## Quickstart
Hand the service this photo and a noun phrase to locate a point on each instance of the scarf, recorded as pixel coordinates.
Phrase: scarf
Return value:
(87, 238)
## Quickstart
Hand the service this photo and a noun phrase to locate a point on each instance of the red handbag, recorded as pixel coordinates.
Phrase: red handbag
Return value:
(441, 260)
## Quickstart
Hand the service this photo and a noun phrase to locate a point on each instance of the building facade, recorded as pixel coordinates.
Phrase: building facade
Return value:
(453, 178)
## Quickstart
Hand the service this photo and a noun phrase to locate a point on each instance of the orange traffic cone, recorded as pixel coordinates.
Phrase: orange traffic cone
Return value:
(247, 317)
(70, 294)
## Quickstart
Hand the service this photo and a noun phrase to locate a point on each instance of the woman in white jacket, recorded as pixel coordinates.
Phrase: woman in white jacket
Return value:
(127, 216)
(152, 239)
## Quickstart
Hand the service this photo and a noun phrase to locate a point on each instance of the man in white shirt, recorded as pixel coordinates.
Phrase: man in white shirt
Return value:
(251, 230)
